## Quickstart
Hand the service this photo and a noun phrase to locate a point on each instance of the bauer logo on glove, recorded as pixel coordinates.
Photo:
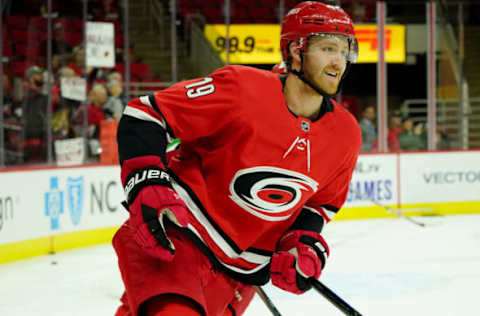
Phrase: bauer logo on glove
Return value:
(142, 177)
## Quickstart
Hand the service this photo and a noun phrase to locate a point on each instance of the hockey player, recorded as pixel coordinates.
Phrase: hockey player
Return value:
(264, 162)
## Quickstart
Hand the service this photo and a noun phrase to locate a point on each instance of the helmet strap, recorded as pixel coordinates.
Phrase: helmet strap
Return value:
(301, 75)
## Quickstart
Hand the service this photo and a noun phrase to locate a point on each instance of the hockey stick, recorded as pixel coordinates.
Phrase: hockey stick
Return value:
(334, 298)
(320, 288)
(390, 210)
(267, 301)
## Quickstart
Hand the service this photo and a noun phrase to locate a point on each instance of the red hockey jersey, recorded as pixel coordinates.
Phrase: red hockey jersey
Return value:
(247, 166)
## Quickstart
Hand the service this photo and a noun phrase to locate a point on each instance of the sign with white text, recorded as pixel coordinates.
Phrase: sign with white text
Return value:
(73, 88)
(100, 50)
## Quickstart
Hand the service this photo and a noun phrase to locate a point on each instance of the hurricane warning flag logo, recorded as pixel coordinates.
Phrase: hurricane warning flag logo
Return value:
(75, 198)
(270, 193)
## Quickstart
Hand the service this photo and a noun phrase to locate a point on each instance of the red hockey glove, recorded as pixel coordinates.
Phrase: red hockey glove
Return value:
(300, 255)
(151, 202)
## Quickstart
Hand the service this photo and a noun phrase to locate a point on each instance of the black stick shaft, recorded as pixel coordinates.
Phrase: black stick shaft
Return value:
(267, 301)
(334, 298)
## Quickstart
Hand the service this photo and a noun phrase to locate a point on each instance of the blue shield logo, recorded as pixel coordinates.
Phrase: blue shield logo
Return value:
(54, 203)
(75, 198)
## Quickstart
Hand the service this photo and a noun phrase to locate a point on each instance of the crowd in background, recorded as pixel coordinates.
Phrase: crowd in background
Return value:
(405, 132)
(25, 76)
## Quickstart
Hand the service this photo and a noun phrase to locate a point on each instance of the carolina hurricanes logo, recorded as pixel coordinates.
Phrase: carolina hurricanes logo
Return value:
(270, 193)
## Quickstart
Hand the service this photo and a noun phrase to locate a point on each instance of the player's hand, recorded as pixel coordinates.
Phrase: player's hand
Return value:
(153, 207)
(300, 255)
(152, 203)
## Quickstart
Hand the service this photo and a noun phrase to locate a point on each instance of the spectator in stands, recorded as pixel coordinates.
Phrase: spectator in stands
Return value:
(95, 115)
(78, 61)
(34, 116)
(7, 95)
(115, 75)
(367, 126)
(60, 46)
(107, 10)
(411, 136)
(113, 107)
(63, 111)
(394, 128)
(443, 141)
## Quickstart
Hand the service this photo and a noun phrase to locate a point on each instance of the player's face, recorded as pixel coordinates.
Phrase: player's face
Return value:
(326, 60)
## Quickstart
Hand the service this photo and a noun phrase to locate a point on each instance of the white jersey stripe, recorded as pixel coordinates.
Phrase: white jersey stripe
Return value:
(145, 100)
(330, 214)
(216, 237)
(139, 114)
(230, 267)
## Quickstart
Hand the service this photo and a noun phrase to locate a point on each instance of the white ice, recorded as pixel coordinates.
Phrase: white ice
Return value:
(380, 267)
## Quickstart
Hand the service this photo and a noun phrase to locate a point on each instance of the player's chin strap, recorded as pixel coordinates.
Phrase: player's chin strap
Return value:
(301, 75)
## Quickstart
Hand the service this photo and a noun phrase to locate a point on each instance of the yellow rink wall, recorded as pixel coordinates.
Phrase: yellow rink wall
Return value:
(49, 210)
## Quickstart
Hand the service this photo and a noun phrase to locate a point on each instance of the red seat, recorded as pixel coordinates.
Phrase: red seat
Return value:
(77, 25)
(7, 50)
(18, 68)
(140, 71)
(28, 51)
(74, 38)
(240, 15)
(214, 15)
(119, 39)
(19, 36)
(245, 3)
(269, 3)
(206, 3)
(120, 67)
(16, 22)
(263, 15)
(38, 23)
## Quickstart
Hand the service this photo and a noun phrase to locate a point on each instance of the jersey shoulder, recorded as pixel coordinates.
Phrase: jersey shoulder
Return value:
(245, 75)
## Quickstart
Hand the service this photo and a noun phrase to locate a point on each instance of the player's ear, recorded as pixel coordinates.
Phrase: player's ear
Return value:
(294, 53)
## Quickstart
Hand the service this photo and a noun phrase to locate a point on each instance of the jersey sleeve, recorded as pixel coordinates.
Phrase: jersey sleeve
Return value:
(188, 110)
(202, 107)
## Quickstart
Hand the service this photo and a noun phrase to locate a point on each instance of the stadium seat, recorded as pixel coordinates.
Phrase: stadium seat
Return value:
(120, 67)
(74, 38)
(263, 15)
(140, 71)
(77, 25)
(7, 49)
(19, 36)
(16, 22)
(240, 15)
(38, 23)
(18, 68)
(207, 3)
(245, 3)
(214, 15)
(119, 40)
(28, 51)
(268, 3)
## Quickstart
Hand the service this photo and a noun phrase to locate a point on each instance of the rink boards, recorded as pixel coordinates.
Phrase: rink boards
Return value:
(54, 209)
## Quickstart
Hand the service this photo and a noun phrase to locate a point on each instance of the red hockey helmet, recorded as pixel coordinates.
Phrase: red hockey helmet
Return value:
(311, 18)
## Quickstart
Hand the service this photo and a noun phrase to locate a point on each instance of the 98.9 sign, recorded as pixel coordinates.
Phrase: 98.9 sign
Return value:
(248, 44)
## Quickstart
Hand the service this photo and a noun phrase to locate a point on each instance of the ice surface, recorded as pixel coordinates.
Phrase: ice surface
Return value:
(381, 267)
